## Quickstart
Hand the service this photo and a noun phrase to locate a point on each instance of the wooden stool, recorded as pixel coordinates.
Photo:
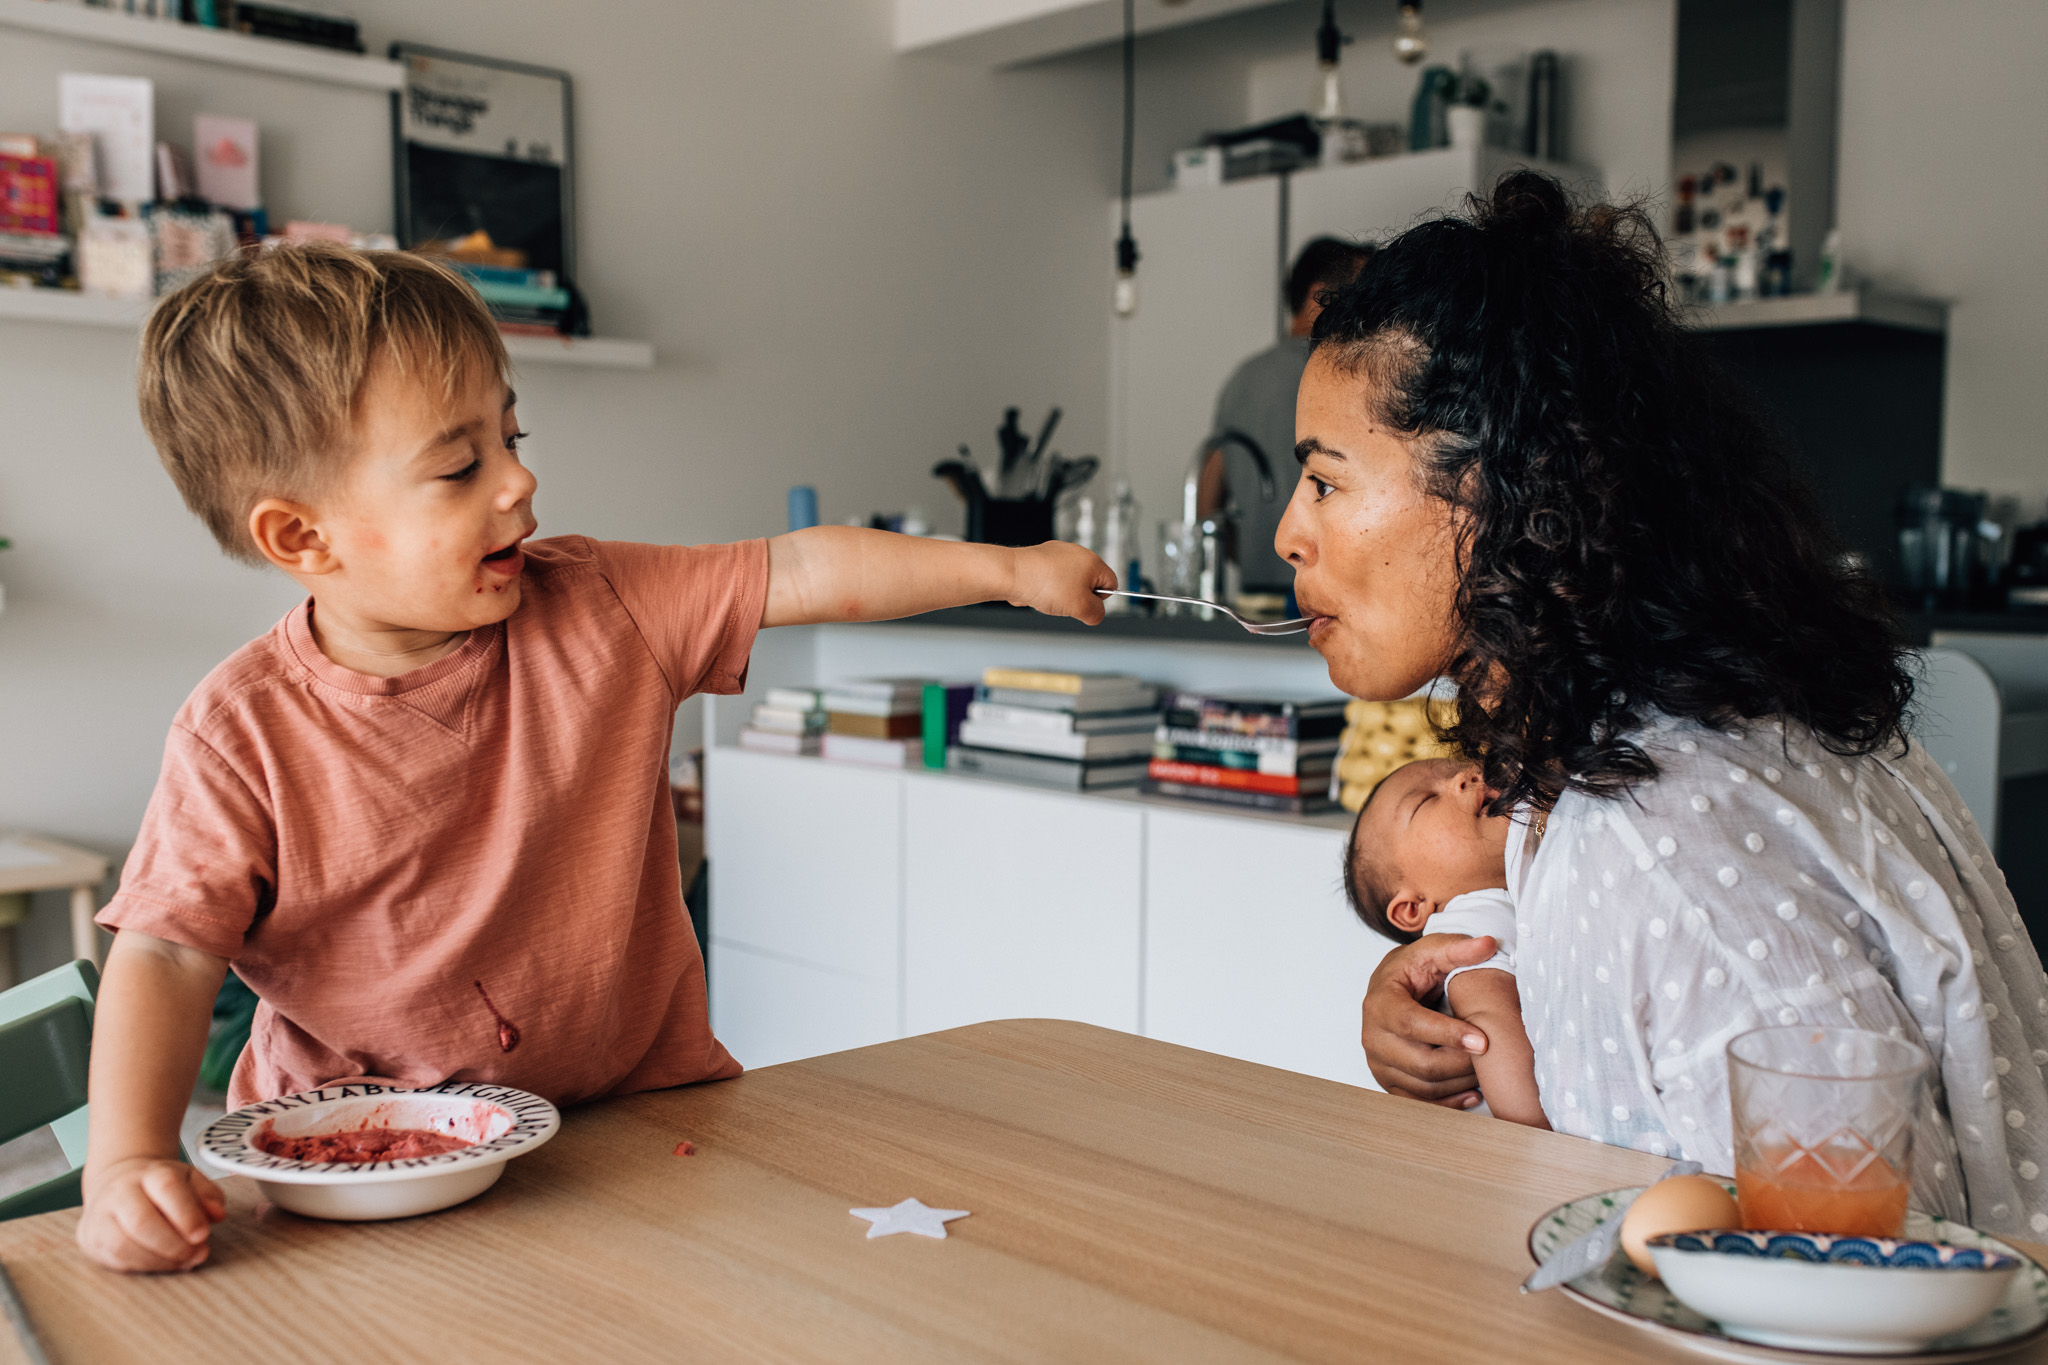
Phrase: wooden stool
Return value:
(29, 862)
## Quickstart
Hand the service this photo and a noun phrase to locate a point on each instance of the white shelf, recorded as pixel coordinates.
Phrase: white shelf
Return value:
(63, 305)
(605, 353)
(1807, 310)
(219, 46)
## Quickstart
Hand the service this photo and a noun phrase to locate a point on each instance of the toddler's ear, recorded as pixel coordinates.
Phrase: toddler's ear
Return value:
(1408, 912)
(285, 535)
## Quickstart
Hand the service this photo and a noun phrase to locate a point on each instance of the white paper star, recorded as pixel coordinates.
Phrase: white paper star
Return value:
(909, 1216)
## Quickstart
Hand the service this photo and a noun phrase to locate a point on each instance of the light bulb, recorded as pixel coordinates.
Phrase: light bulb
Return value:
(1126, 296)
(1411, 43)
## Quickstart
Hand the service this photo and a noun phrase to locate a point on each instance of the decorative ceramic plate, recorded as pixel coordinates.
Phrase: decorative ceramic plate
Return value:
(1622, 1292)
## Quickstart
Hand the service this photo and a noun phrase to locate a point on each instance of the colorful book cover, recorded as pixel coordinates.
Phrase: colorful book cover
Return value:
(28, 195)
(945, 706)
(1240, 779)
(225, 149)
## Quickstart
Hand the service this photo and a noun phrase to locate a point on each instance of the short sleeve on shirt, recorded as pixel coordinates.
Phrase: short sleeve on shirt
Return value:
(697, 606)
(204, 865)
(1479, 913)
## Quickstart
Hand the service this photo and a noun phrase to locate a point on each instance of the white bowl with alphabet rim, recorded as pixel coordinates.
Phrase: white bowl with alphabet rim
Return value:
(496, 1121)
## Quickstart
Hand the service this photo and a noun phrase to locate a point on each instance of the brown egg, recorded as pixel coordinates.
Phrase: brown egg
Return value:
(1684, 1203)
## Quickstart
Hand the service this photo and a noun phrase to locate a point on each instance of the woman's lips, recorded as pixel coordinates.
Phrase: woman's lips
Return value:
(1319, 625)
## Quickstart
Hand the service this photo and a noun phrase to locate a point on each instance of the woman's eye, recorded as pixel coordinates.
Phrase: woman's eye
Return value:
(464, 474)
(1322, 489)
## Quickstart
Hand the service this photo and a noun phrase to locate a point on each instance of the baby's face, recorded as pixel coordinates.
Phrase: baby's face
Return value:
(1430, 819)
(427, 519)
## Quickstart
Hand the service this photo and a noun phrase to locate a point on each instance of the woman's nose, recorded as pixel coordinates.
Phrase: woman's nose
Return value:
(1291, 541)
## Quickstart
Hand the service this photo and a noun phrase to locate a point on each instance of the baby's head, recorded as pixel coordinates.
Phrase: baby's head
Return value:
(344, 416)
(1422, 837)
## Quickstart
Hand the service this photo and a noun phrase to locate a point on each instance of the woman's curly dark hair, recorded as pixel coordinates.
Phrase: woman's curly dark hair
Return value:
(1632, 536)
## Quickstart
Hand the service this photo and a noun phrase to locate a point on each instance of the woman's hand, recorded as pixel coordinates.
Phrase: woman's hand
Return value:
(1412, 1049)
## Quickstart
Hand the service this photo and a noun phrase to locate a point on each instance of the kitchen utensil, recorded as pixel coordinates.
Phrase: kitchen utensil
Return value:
(1623, 1293)
(1594, 1249)
(1052, 419)
(1823, 1126)
(1811, 1292)
(1294, 627)
(1010, 438)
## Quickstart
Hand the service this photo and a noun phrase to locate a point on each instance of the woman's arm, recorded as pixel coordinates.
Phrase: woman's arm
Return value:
(1412, 1049)
(845, 573)
(1488, 1000)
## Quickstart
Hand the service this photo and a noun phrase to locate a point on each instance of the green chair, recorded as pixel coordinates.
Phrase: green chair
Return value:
(45, 1043)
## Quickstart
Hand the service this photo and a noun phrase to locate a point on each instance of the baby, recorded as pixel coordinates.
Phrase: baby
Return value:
(1425, 852)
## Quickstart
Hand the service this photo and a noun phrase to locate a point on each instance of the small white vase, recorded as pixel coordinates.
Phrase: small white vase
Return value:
(1467, 125)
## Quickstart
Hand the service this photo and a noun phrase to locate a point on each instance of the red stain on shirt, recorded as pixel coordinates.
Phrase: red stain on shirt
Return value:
(508, 1032)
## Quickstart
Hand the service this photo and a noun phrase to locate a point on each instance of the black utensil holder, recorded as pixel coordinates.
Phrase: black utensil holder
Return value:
(1010, 521)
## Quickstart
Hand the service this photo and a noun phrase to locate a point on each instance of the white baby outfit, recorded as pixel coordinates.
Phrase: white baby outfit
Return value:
(1761, 880)
(1477, 913)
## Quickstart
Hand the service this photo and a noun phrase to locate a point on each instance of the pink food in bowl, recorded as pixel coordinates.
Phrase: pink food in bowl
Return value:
(361, 1144)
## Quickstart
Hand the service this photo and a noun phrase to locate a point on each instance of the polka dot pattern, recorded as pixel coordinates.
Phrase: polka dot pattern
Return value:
(1761, 881)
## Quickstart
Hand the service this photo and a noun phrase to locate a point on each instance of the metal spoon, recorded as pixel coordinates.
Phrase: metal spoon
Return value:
(1294, 627)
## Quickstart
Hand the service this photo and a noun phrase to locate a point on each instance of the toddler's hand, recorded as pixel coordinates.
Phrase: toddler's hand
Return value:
(1060, 579)
(149, 1213)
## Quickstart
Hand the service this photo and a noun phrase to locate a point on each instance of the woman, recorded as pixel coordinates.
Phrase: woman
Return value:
(1520, 472)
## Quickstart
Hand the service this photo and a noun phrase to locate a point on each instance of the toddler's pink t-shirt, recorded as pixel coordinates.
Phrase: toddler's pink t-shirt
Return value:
(469, 871)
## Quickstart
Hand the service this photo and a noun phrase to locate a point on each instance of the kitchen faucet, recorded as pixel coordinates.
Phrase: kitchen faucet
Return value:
(1208, 533)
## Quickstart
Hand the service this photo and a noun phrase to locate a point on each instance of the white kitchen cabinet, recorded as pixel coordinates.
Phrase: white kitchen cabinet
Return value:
(806, 904)
(1018, 903)
(806, 859)
(1250, 948)
(768, 1009)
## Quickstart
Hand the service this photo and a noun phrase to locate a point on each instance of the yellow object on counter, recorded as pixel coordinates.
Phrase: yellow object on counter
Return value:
(1380, 736)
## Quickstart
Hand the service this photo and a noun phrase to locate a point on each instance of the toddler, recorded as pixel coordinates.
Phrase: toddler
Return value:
(426, 817)
(1424, 852)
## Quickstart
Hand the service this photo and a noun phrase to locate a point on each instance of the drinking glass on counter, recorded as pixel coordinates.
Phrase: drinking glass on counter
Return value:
(1823, 1121)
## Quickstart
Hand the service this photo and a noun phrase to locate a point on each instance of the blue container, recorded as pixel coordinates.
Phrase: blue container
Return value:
(803, 507)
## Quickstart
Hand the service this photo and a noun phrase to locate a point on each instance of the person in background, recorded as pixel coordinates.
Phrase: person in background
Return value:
(1258, 400)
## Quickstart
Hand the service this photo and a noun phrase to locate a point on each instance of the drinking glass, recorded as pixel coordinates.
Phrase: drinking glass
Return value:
(1823, 1124)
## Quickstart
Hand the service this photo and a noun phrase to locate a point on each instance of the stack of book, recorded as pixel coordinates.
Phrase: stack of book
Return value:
(876, 721)
(1077, 731)
(524, 302)
(1263, 753)
(789, 721)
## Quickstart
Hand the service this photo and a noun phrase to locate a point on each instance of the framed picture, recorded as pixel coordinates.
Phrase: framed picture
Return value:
(482, 146)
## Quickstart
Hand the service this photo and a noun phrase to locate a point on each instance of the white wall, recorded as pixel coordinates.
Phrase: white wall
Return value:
(847, 261)
(1940, 192)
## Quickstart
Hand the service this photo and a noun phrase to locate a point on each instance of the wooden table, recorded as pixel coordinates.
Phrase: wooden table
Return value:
(1131, 1201)
(56, 867)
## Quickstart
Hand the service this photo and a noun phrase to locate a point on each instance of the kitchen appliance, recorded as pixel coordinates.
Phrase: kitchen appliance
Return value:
(1946, 547)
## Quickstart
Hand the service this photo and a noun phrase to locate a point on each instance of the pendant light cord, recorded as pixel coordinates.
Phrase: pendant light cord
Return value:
(1126, 246)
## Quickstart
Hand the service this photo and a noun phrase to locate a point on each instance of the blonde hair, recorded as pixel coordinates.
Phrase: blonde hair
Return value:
(251, 371)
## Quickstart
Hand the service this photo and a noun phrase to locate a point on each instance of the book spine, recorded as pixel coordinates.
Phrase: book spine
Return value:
(1033, 680)
(874, 727)
(1275, 745)
(1278, 765)
(1204, 775)
(945, 706)
(1049, 772)
(1226, 796)
(1022, 717)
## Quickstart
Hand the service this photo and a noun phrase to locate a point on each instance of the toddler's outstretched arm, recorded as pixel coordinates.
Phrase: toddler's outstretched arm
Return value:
(144, 1208)
(845, 573)
(1507, 1069)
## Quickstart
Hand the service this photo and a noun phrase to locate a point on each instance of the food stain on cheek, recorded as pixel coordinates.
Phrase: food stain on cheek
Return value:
(508, 1032)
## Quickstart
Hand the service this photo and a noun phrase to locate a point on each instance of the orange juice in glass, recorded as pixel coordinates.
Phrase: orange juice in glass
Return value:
(1823, 1126)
